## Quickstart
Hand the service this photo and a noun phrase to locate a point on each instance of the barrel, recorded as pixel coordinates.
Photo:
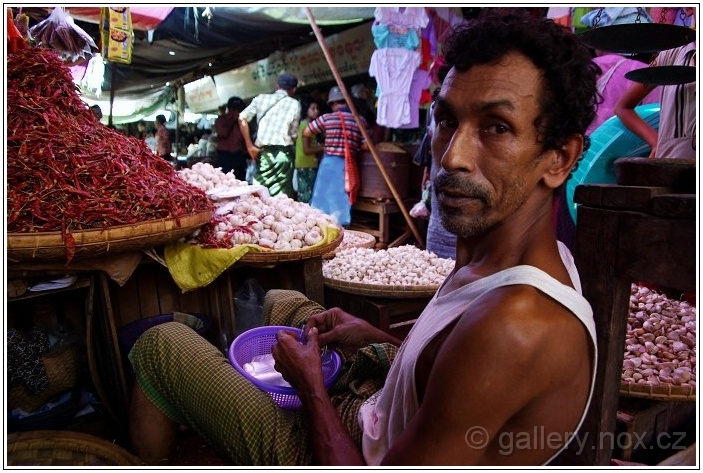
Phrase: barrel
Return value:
(396, 163)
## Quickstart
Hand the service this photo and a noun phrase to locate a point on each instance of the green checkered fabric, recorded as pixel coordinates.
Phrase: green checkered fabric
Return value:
(193, 383)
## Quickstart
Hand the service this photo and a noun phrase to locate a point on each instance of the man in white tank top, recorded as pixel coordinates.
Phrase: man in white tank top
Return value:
(499, 368)
(506, 349)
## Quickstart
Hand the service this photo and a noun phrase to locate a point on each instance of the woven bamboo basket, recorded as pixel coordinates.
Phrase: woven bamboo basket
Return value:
(353, 239)
(62, 365)
(662, 392)
(274, 257)
(382, 290)
(65, 448)
(49, 246)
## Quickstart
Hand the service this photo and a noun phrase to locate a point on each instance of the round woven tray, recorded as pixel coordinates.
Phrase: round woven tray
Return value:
(49, 246)
(366, 240)
(379, 290)
(663, 392)
(65, 448)
(273, 257)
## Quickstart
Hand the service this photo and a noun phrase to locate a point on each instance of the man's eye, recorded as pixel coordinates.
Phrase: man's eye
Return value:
(447, 123)
(497, 128)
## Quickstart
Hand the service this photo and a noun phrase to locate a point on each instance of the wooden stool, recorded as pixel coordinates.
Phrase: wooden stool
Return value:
(384, 209)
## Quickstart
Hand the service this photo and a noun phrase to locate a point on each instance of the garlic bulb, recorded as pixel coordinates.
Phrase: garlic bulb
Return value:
(400, 266)
(660, 343)
(278, 223)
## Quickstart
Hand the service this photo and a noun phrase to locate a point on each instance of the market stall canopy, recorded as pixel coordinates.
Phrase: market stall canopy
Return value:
(143, 18)
(189, 43)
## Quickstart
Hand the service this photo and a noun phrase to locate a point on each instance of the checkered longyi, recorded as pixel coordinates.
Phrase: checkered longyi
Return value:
(193, 383)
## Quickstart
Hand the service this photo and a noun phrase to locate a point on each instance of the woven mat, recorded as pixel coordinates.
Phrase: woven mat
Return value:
(662, 392)
(65, 448)
(381, 290)
(50, 246)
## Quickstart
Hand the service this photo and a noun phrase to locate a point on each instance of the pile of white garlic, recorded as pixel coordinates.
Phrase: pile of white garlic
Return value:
(660, 345)
(399, 266)
(206, 177)
(278, 223)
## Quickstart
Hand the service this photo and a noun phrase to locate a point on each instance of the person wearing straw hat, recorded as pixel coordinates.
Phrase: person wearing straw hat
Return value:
(337, 182)
(506, 348)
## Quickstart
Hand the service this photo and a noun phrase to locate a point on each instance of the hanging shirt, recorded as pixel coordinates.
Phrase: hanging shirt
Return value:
(402, 17)
(421, 81)
(386, 37)
(393, 69)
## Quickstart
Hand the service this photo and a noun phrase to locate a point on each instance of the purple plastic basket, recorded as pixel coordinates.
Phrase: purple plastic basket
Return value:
(258, 341)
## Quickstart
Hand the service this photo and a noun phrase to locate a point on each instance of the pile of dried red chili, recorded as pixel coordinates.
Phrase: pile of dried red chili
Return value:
(67, 172)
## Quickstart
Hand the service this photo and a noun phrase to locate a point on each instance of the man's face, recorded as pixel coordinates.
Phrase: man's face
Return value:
(487, 143)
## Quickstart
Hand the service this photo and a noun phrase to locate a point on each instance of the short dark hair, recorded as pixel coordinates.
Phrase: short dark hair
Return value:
(305, 102)
(235, 103)
(569, 96)
(161, 119)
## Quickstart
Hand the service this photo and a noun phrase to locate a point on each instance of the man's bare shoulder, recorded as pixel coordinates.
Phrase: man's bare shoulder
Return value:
(520, 321)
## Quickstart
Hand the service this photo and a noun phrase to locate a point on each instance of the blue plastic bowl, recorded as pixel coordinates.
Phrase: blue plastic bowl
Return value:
(258, 341)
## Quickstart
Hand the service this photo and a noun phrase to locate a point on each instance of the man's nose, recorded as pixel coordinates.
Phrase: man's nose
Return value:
(460, 153)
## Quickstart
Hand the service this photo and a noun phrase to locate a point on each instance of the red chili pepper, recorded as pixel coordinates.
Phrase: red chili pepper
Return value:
(73, 173)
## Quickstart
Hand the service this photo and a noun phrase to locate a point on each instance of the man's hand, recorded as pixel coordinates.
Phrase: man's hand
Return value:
(254, 152)
(349, 333)
(299, 363)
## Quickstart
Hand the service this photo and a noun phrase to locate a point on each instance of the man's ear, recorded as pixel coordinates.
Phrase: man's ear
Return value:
(562, 161)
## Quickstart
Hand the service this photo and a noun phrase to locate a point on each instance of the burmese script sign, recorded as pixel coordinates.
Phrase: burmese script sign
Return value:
(351, 51)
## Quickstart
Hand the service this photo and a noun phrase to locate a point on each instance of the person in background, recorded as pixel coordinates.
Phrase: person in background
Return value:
(277, 116)
(504, 351)
(337, 180)
(141, 130)
(97, 111)
(203, 144)
(676, 137)
(612, 85)
(231, 148)
(150, 138)
(163, 138)
(439, 241)
(307, 150)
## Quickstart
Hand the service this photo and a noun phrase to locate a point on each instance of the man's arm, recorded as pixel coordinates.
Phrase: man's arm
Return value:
(490, 379)
(625, 110)
(246, 134)
(301, 367)
(308, 147)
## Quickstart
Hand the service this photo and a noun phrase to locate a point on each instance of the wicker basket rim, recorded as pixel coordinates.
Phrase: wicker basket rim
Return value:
(269, 257)
(369, 243)
(664, 391)
(391, 291)
(361, 234)
(113, 234)
(59, 440)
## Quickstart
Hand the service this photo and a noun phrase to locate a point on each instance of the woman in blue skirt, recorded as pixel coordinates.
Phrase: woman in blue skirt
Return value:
(337, 181)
